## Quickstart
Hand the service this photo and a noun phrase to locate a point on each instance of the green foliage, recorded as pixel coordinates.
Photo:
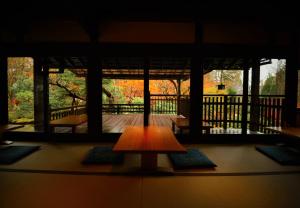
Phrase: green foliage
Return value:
(231, 91)
(25, 107)
(137, 100)
(269, 86)
(60, 97)
(275, 83)
(116, 91)
(164, 106)
(20, 89)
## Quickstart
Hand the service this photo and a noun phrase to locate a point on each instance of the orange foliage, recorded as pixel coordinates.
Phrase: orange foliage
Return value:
(135, 88)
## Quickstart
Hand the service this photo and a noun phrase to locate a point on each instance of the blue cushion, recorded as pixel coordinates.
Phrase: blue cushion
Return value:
(103, 155)
(192, 159)
(282, 155)
(11, 154)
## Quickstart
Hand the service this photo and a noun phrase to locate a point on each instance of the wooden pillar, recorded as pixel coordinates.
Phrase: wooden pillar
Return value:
(178, 96)
(245, 96)
(196, 85)
(291, 82)
(46, 98)
(39, 111)
(3, 91)
(146, 93)
(254, 115)
(94, 96)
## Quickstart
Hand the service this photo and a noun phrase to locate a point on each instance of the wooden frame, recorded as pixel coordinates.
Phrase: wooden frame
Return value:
(198, 51)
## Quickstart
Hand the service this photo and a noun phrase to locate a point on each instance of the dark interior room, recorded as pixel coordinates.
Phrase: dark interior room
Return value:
(149, 105)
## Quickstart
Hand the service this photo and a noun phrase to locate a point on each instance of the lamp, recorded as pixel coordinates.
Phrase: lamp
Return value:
(221, 86)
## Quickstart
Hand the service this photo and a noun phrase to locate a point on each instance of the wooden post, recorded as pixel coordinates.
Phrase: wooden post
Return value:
(39, 111)
(254, 115)
(94, 96)
(146, 92)
(3, 90)
(178, 96)
(245, 96)
(46, 98)
(196, 85)
(291, 82)
(225, 112)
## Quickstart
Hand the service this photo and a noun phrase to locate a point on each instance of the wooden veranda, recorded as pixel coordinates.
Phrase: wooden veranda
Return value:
(114, 123)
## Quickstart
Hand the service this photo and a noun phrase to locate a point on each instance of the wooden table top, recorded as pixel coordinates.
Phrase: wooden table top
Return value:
(184, 123)
(71, 120)
(7, 127)
(292, 131)
(152, 139)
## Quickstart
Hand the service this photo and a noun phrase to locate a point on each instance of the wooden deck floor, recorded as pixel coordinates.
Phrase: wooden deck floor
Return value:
(117, 123)
(113, 123)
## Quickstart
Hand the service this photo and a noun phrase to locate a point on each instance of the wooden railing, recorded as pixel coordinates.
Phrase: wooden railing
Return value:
(122, 108)
(226, 110)
(223, 110)
(163, 104)
(219, 110)
(62, 112)
(159, 104)
(271, 111)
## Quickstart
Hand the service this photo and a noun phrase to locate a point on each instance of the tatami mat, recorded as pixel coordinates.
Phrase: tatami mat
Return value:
(55, 177)
(33, 190)
(225, 192)
(230, 159)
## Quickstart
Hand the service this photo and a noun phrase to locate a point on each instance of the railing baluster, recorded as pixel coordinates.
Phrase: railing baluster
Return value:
(230, 111)
(225, 112)
(265, 112)
(273, 111)
(238, 112)
(205, 108)
(220, 110)
(234, 105)
(278, 112)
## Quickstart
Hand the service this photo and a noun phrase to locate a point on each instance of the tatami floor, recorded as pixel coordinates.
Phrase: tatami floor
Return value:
(54, 177)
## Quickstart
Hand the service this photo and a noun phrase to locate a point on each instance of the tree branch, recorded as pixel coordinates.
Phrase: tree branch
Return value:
(69, 92)
(174, 84)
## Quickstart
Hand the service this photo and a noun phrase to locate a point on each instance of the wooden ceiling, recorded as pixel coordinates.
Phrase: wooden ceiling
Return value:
(132, 67)
(27, 11)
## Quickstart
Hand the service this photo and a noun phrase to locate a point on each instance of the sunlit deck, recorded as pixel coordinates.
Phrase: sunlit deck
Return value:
(113, 123)
(116, 123)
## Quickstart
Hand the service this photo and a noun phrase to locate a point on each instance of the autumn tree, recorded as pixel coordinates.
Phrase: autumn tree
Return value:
(20, 89)
(274, 84)
(232, 79)
(66, 89)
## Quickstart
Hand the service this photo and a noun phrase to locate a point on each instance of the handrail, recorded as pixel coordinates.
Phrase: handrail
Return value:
(218, 109)
(65, 108)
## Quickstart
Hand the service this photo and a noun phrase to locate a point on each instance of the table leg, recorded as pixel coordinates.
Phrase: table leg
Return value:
(149, 161)
(149, 166)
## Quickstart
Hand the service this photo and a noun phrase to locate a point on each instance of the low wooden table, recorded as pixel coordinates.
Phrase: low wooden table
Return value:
(291, 131)
(68, 121)
(8, 127)
(148, 141)
(183, 123)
